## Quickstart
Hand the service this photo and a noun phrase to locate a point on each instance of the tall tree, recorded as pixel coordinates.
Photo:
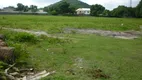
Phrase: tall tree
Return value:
(72, 10)
(26, 8)
(106, 13)
(33, 8)
(139, 9)
(97, 9)
(64, 7)
(121, 11)
(20, 7)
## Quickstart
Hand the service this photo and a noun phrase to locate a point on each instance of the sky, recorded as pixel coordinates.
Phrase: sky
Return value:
(108, 4)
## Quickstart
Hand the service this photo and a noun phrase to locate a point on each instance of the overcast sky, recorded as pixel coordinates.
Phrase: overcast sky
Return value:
(108, 4)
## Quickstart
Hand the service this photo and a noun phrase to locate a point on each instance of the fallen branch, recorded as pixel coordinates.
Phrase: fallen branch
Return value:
(40, 75)
(8, 75)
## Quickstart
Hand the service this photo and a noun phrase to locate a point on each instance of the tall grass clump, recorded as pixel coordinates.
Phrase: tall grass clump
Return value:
(20, 52)
(25, 37)
(19, 41)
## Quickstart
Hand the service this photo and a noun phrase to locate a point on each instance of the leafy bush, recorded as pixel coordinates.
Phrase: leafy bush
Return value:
(54, 12)
(19, 37)
(2, 67)
(20, 52)
(25, 37)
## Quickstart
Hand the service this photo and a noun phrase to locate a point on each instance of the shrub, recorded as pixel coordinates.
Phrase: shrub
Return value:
(20, 52)
(25, 37)
(54, 12)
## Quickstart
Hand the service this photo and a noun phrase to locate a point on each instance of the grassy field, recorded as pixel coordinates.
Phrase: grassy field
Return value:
(80, 57)
(55, 24)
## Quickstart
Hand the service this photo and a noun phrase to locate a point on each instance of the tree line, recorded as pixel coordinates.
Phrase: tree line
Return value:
(62, 8)
(120, 11)
(24, 8)
(96, 10)
(65, 8)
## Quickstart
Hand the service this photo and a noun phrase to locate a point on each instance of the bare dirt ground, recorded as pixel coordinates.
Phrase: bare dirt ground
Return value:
(37, 33)
(121, 35)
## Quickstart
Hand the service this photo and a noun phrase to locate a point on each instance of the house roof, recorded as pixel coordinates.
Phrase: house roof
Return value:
(83, 9)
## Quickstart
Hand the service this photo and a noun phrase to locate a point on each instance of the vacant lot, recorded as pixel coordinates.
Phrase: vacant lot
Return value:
(79, 56)
(56, 23)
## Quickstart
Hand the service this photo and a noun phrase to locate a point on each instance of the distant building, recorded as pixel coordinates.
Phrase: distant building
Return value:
(8, 9)
(83, 11)
(11, 10)
(41, 12)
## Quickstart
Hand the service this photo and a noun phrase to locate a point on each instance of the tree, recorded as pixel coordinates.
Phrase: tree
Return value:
(33, 8)
(131, 12)
(46, 9)
(139, 9)
(106, 13)
(52, 9)
(72, 10)
(20, 7)
(97, 9)
(120, 11)
(54, 12)
(123, 11)
(64, 7)
(26, 8)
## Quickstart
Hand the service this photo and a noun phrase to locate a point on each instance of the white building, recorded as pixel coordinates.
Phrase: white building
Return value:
(41, 12)
(83, 11)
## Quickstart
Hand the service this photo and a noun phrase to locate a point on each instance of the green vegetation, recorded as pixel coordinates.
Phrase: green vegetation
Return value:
(96, 10)
(77, 57)
(118, 59)
(62, 8)
(69, 6)
(74, 3)
(139, 9)
(52, 24)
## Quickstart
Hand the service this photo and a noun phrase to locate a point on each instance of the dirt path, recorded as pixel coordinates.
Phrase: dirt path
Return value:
(122, 35)
(37, 33)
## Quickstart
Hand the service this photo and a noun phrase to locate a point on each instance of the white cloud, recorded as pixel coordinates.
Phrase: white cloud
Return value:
(109, 4)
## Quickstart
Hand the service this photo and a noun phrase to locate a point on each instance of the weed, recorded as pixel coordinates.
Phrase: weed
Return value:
(96, 73)
(20, 52)
(25, 37)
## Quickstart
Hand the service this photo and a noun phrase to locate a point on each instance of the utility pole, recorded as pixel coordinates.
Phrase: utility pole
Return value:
(130, 3)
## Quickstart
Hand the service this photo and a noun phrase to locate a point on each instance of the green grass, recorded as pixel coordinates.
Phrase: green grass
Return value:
(78, 57)
(56, 23)
(119, 59)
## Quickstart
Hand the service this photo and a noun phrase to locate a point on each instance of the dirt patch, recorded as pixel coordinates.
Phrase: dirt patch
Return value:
(122, 35)
(37, 33)
(98, 73)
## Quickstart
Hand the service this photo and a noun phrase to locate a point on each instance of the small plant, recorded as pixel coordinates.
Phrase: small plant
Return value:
(2, 67)
(25, 37)
(96, 73)
(73, 31)
(54, 12)
(20, 52)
